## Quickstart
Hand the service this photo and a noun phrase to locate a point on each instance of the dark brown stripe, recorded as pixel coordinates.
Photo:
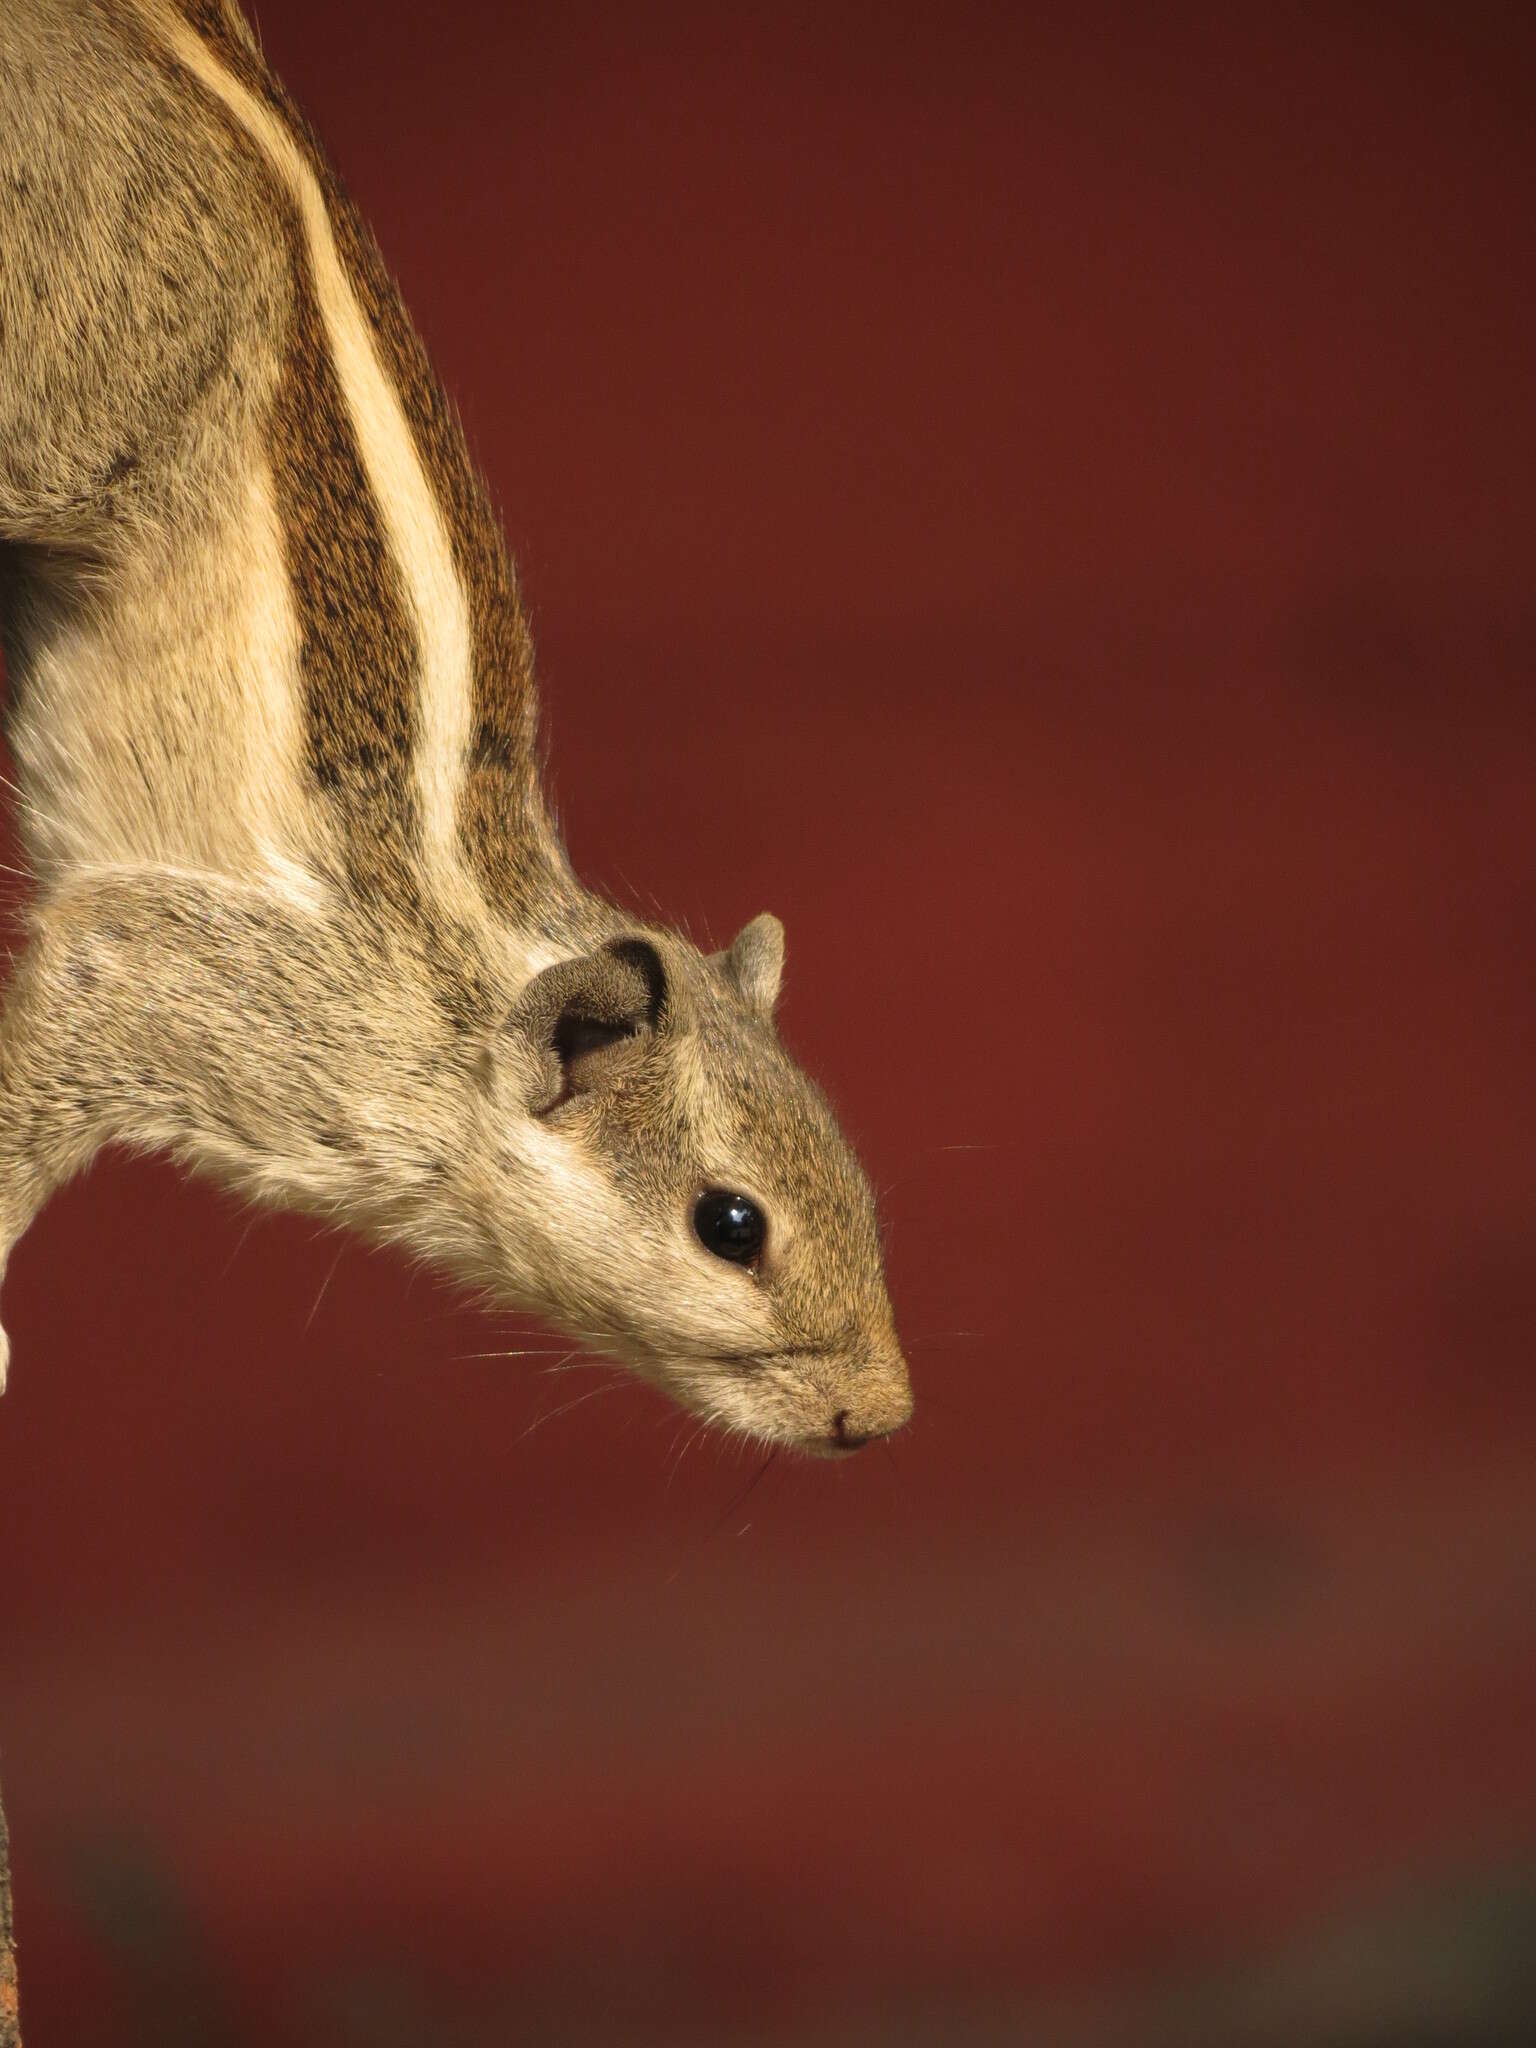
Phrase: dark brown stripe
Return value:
(358, 649)
(500, 808)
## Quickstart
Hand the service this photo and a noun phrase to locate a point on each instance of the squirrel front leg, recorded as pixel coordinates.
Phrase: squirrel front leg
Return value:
(187, 1014)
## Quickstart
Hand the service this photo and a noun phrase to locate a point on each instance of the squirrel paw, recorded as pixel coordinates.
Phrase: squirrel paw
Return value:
(5, 1358)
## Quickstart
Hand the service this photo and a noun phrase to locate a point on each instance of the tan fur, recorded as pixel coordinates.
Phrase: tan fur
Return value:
(302, 918)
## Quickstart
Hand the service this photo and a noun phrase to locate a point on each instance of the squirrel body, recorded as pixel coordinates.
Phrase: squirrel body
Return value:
(302, 919)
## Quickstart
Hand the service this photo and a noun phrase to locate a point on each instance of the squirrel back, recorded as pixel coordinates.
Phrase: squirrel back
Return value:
(261, 533)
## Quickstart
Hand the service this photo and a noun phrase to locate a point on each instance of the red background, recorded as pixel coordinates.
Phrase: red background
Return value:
(1045, 503)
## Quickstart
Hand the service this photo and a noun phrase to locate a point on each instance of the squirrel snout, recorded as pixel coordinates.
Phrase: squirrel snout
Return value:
(877, 1414)
(845, 1436)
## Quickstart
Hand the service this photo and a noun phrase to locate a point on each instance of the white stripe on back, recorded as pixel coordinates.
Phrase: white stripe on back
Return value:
(407, 506)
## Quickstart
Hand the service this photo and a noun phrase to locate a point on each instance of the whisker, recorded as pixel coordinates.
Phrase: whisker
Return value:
(735, 1506)
(309, 1321)
(574, 1362)
(566, 1407)
(466, 1357)
(693, 1437)
(732, 1507)
(240, 1244)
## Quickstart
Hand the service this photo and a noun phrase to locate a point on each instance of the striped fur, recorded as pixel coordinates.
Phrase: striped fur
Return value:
(303, 918)
(498, 799)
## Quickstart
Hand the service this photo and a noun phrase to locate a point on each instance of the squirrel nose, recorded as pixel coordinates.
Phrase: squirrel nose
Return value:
(883, 1415)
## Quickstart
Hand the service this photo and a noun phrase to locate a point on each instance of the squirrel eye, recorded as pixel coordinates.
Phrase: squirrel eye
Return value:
(729, 1226)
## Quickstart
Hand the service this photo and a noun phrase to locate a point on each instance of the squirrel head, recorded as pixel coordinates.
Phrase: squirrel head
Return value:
(661, 1179)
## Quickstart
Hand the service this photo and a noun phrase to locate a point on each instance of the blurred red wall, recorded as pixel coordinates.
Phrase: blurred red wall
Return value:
(1042, 500)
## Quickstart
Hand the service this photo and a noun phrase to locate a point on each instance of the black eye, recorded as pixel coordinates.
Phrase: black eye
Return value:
(729, 1226)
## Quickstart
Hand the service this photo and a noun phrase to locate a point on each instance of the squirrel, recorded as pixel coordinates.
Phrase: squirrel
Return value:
(302, 919)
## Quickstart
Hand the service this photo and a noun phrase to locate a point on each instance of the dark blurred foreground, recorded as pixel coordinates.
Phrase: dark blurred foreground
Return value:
(1048, 508)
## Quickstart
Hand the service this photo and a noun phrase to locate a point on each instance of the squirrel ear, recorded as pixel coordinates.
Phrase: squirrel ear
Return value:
(754, 963)
(583, 1019)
